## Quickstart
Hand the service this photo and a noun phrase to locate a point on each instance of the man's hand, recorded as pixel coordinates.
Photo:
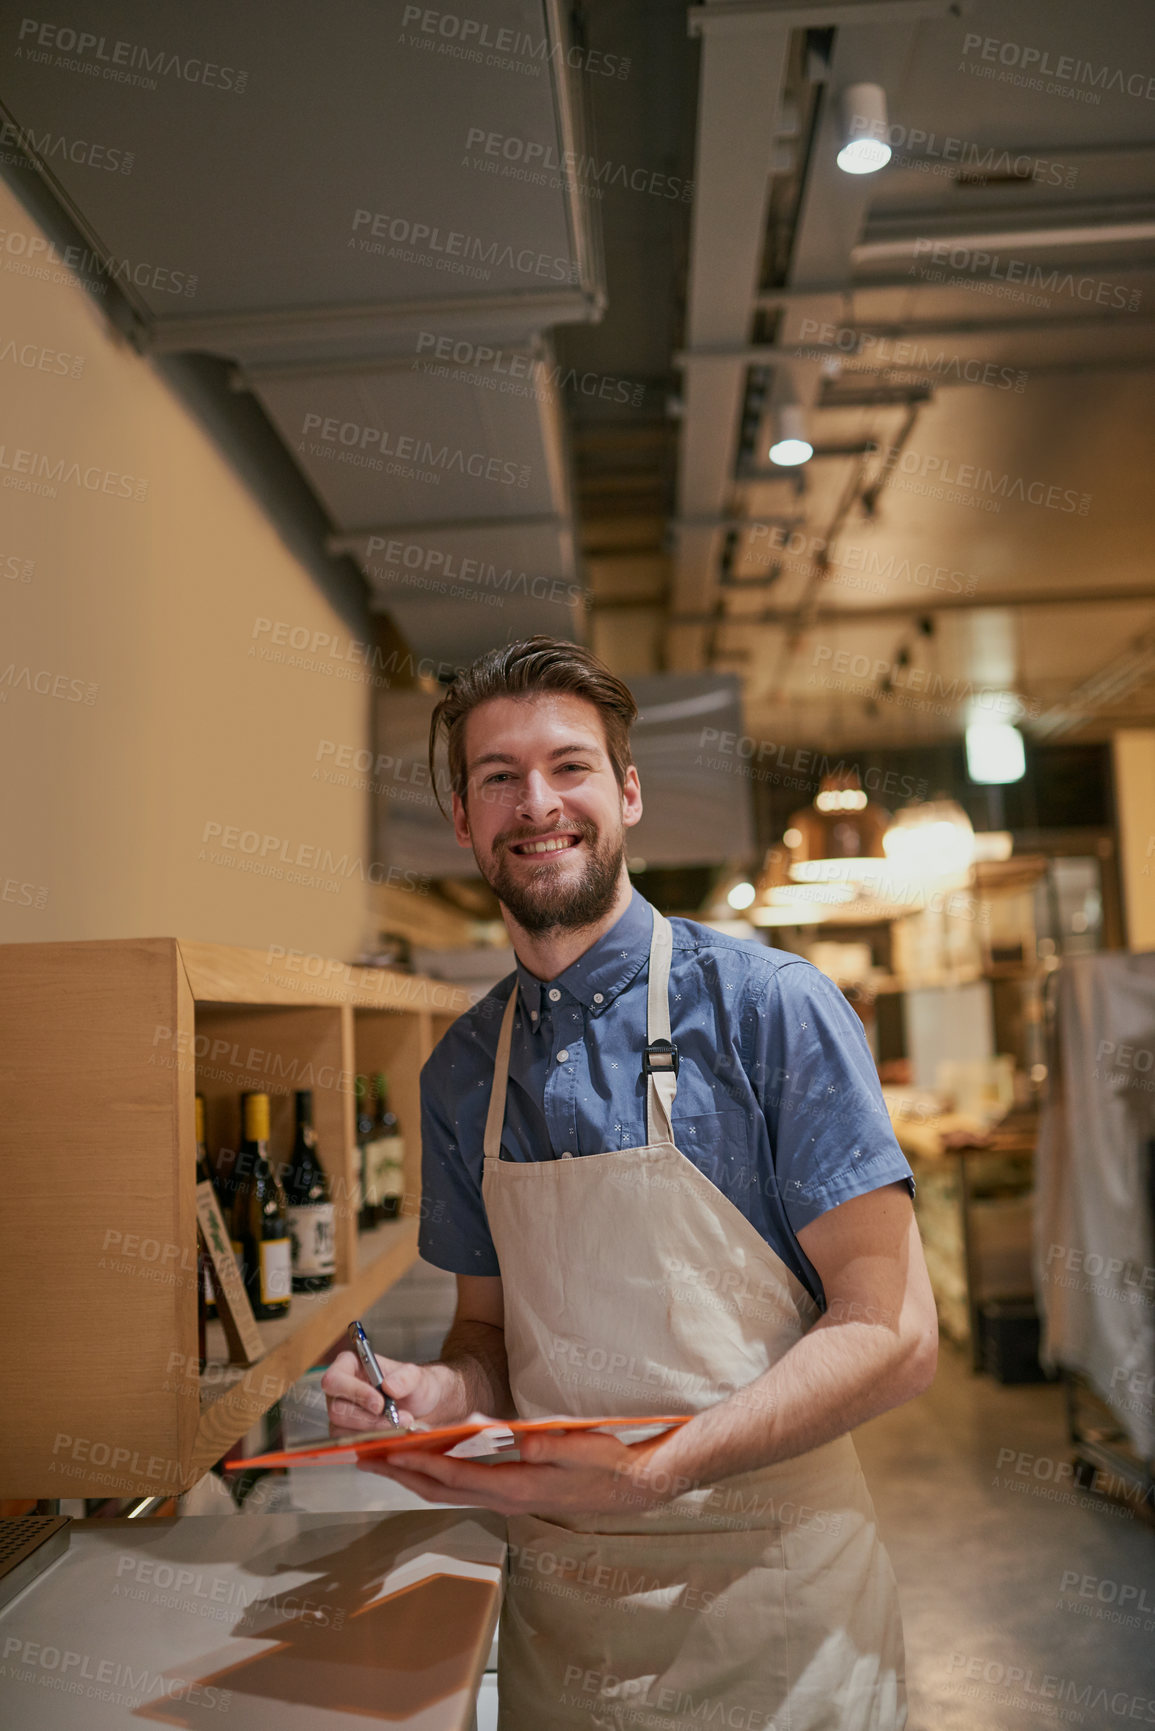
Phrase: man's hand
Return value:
(560, 1473)
(418, 1389)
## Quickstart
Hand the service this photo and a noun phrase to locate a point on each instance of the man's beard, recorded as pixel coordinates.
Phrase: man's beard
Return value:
(539, 902)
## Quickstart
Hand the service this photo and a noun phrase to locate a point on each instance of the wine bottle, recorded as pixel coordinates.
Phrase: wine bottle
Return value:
(234, 1169)
(260, 1218)
(206, 1295)
(367, 1215)
(311, 1221)
(389, 1154)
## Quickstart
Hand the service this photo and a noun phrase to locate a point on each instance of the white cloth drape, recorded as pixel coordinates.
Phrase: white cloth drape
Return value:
(1094, 1237)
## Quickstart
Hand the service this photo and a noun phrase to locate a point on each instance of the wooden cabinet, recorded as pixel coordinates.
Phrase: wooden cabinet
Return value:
(103, 1046)
(974, 1206)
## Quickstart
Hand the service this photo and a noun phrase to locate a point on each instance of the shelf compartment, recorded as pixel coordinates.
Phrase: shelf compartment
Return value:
(99, 1046)
(233, 1397)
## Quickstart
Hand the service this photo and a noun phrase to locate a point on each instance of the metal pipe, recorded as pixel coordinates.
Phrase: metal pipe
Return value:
(353, 540)
(729, 15)
(769, 298)
(790, 616)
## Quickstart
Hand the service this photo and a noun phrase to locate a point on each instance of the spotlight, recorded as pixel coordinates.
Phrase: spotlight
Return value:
(741, 896)
(995, 752)
(791, 446)
(864, 130)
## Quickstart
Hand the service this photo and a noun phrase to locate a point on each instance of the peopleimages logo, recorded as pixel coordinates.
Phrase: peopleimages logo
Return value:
(453, 568)
(510, 50)
(500, 369)
(453, 250)
(37, 472)
(97, 1679)
(995, 268)
(349, 439)
(33, 255)
(905, 357)
(530, 160)
(914, 147)
(1035, 64)
(53, 147)
(970, 482)
(123, 62)
(925, 680)
(269, 853)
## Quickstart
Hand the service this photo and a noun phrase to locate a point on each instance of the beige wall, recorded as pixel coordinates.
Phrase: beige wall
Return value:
(152, 604)
(1134, 764)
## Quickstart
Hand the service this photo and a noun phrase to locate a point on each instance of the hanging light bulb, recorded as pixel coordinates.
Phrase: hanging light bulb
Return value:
(791, 446)
(865, 147)
(995, 752)
(933, 839)
(838, 839)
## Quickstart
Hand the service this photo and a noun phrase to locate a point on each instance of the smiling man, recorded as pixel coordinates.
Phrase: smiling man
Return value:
(661, 1169)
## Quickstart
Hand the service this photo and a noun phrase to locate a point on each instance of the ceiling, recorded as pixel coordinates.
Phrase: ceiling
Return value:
(496, 376)
(974, 344)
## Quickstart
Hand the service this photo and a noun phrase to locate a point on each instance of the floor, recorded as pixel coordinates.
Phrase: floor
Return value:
(1011, 1580)
(1025, 1601)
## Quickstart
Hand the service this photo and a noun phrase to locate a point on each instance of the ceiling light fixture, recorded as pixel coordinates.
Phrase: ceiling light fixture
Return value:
(931, 839)
(801, 914)
(741, 896)
(840, 799)
(791, 446)
(838, 839)
(995, 753)
(865, 146)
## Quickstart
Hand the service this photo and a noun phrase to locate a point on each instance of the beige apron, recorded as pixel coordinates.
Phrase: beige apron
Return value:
(633, 1285)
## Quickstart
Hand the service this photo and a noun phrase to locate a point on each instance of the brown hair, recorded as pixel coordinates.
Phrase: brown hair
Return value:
(525, 669)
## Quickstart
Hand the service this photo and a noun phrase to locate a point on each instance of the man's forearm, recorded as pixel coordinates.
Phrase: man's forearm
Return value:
(476, 1373)
(839, 1374)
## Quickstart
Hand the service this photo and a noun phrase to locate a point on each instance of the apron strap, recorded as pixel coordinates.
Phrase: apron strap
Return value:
(495, 1118)
(661, 1084)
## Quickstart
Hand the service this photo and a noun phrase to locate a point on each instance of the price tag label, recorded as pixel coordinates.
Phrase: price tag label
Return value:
(236, 1312)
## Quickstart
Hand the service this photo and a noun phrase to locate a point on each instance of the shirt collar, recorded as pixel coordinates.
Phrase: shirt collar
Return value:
(606, 968)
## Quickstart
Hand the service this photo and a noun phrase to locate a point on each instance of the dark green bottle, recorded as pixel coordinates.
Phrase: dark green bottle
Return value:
(388, 1154)
(311, 1219)
(367, 1214)
(260, 1218)
(206, 1294)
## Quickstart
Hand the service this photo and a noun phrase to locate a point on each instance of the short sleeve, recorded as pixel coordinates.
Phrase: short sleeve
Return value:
(454, 1230)
(830, 1133)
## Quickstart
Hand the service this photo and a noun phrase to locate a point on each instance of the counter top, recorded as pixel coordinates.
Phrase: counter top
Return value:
(935, 1135)
(279, 1622)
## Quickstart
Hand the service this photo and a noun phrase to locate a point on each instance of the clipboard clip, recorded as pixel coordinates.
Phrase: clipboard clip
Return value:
(660, 1057)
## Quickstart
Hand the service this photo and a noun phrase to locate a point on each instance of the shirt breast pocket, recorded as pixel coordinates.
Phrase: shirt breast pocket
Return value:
(718, 1143)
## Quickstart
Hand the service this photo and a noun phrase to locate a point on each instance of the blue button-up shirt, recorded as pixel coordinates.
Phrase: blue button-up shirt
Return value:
(778, 1100)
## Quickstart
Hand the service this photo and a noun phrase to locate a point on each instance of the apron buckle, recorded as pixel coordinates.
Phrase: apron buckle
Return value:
(660, 1057)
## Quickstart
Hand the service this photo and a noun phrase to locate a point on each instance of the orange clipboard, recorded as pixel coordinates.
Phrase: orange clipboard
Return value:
(370, 1444)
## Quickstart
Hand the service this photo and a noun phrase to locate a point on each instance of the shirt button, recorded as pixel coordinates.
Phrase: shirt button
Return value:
(554, 994)
(597, 997)
(562, 1056)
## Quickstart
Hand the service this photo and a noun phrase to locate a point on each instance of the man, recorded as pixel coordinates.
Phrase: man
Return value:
(663, 1175)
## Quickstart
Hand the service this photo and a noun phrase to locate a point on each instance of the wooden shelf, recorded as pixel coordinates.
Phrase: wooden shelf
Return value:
(232, 1397)
(103, 1045)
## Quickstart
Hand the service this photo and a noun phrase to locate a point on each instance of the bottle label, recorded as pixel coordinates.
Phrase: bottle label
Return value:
(386, 1162)
(369, 1195)
(276, 1270)
(314, 1234)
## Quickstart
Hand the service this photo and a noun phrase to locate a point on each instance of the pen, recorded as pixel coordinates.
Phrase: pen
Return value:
(373, 1370)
